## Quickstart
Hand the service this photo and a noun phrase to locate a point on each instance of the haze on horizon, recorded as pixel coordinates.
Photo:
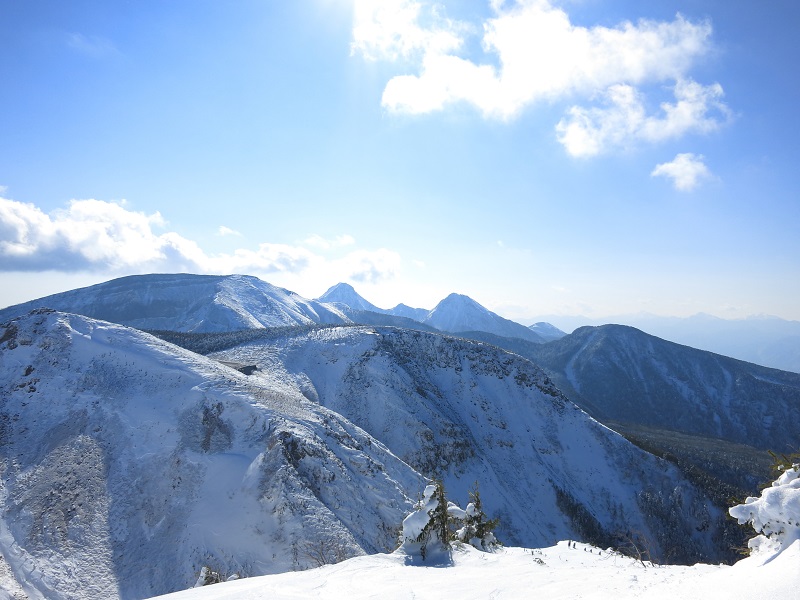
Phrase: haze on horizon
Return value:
(540, 156)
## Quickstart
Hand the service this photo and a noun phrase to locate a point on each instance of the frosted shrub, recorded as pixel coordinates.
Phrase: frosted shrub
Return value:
(775, 515)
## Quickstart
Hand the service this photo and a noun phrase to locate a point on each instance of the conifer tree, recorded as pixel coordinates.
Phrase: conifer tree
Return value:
(440, 518)
(478, 528)
(429, 523)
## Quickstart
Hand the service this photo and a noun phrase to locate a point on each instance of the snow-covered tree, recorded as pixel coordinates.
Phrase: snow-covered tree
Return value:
(477, 528)
(776, 514)
(427, 529)
(208, 577)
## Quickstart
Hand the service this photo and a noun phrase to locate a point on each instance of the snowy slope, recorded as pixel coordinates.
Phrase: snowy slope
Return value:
(127, 464)
(622, 374)
(561, 572)
(567, 570)
(469, 411)
(459, 313)
(180, 302)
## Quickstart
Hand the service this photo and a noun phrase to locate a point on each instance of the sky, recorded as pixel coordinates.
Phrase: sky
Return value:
(540, 156)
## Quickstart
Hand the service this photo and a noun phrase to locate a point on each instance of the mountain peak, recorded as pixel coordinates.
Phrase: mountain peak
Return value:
(340, 288)
(344, 293)
(460, 313)
(547, 331)
(455, 299)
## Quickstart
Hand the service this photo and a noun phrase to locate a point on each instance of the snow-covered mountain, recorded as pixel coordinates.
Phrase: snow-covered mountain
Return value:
(469, 411)
(455, 314)
(216, 303)
(403, 310)
(763, 340)
(619, 373)
(458, 313)
(343, 293)
(547, 331)
(344, 296)
(345, 299)
(181, 302)
(127, 464)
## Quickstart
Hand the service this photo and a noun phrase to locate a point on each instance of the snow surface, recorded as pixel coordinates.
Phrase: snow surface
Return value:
(563, 572)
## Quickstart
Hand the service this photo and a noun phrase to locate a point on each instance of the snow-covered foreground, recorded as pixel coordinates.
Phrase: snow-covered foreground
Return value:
(560, 572)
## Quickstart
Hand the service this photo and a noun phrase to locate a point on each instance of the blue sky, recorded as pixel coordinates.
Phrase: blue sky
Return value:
(543, 157)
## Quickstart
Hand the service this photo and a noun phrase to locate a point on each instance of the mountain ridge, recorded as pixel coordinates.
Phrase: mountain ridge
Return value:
(620, 373)
(186, 302)
(759, 339)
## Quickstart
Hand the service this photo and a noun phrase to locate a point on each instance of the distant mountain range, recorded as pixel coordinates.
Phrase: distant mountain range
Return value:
(455, 314)
(206, 303)
(616, 373)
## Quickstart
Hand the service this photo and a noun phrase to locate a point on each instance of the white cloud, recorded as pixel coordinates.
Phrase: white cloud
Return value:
(686, 171)
(88, 232)
(370, 267)
(535, 53)
(540, 53)
(391, 29)
(624, 119)
(225, 231)
(94, 235)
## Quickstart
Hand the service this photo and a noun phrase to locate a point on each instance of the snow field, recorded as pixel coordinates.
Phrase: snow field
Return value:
(561, 572)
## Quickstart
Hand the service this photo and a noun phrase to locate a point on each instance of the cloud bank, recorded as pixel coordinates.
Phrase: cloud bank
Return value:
(534, 53)
(100, 236)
